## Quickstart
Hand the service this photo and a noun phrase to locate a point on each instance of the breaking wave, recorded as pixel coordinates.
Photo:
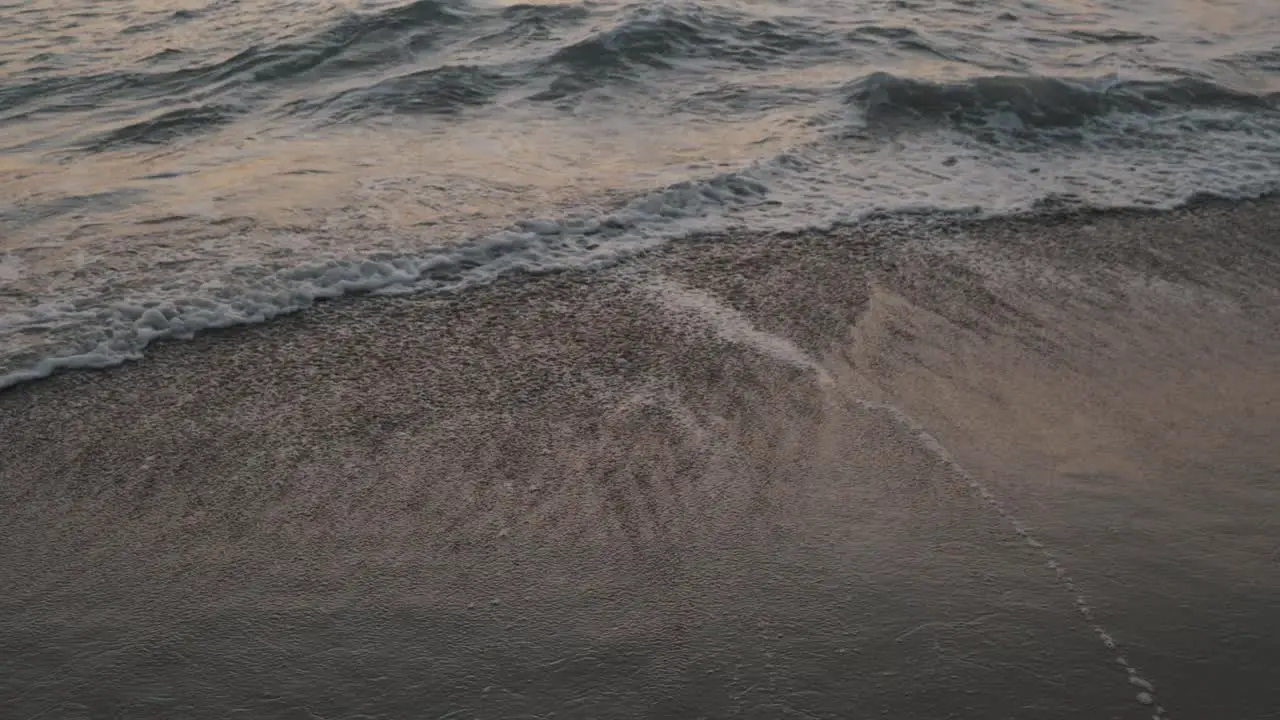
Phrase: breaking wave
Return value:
(829, 115)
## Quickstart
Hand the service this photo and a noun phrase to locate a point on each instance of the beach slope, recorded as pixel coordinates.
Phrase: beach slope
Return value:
(964, 468)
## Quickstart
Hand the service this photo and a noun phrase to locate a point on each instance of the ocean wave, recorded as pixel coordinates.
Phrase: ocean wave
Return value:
(1257, 61)
(357, 42)
(658, 37)
(165, 127)
(1113, 37)
(107, 336)
(794, 76)
(889, 102)
(70, 93)
(543, 15)
(649, 39)
(522, 24)
(617, 48)
(790, 192)
(445, 90)
(663, 38)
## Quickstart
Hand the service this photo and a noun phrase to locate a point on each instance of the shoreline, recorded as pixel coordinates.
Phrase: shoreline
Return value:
(901, 222)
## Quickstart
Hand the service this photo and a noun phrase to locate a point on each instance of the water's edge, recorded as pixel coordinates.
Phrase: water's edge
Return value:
(446, 278)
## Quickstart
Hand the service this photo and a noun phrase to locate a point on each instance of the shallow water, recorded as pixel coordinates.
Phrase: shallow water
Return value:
(172, 166)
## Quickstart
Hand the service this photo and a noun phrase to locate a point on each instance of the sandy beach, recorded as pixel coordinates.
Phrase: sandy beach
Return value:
(1018, 468)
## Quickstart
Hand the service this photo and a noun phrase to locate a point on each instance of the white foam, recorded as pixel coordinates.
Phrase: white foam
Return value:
(114, 334)
(835, 180)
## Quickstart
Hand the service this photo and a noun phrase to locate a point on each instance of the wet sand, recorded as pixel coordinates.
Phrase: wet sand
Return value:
(1005, 469)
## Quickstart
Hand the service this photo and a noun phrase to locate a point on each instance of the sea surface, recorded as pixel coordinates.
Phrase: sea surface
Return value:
(168, 166)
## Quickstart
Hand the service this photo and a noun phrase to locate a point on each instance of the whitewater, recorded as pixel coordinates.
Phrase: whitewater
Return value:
(166, 168)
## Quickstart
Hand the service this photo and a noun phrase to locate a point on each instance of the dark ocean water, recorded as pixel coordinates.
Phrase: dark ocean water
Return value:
(170, 166)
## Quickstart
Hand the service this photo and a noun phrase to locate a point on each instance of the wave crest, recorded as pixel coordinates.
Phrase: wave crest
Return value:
(890, 102)
(441, 90)
(166, 127)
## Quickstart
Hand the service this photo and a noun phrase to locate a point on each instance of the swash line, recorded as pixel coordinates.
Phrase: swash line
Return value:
(733, 326)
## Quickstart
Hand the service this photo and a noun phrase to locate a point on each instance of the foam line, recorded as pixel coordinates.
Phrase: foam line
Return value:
(733, 326)
(1146, 690)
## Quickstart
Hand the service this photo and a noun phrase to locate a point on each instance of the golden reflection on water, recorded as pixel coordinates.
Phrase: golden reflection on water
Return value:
(455, 174)
(449, 181)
